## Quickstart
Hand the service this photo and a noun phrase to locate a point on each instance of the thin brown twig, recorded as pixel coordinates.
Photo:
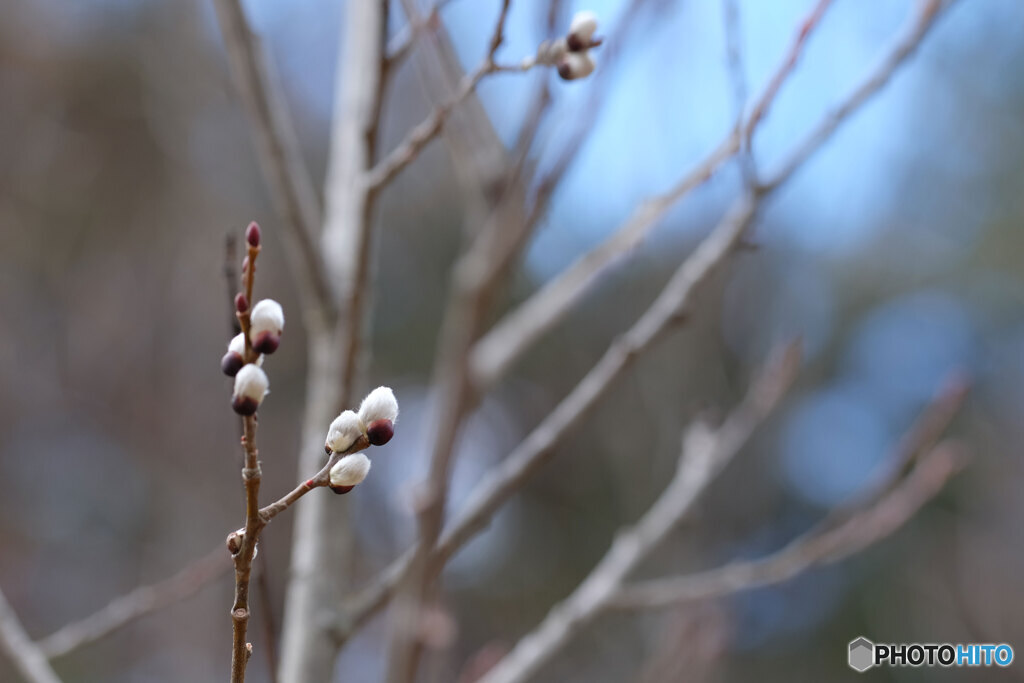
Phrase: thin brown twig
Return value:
(280, 157)
(28, 658)
(867, 526)
(705, 453)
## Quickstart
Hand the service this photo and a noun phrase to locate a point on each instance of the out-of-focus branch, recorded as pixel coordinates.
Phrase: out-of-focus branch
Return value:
(501, 483)
(528, 322)
(428, 129)
(478, 154)
(864, 528)
(27, 657)
(917, 29)
(138, 603)
(788, 64)
(321, 558)
(518, 330)
(704, 454)
(280, 158)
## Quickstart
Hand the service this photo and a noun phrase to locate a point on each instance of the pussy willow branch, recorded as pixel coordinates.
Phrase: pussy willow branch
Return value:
(519, 329)
(280, 157)
(865, 528)
(499, 485)
(27, 657)
(704, 454)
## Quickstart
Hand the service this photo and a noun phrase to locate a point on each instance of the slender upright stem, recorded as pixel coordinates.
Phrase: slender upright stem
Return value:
(240, 649)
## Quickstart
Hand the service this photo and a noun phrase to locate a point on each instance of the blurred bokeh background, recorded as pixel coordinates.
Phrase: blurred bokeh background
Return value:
(125, 160)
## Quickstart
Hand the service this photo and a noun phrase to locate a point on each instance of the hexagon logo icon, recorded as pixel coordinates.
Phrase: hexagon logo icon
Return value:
(862, 654)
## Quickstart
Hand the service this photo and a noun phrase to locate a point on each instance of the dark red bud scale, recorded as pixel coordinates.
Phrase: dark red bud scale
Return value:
(341, 490)
(241, 303)
(266, 342)
(252, 234)
(379, 432)
(231, 363)
(575, 43)
(565, 70)
(327, 449)
(243, 405)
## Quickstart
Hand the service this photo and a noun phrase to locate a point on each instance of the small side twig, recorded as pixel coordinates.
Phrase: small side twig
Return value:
(27, 657)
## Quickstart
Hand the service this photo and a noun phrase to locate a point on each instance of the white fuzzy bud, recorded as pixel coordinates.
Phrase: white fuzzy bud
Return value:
(344, 431)
(251, 386)
(583, 26)
(576, 65)
(550, 53)
(237, 344)
(350, 470)
(379, 404)
(266, 324)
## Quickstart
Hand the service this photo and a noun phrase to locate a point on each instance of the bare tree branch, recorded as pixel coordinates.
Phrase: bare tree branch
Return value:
(422, 133)
(27, 657)
(521, 328)
(136, 604)
(705, 453)
(322, 539)
(866, 527)
(918, 27)
(280, 157)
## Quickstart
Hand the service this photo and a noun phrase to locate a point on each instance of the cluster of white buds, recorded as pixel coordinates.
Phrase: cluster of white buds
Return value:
(266, 324)
(373, 425)
(570, 54)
